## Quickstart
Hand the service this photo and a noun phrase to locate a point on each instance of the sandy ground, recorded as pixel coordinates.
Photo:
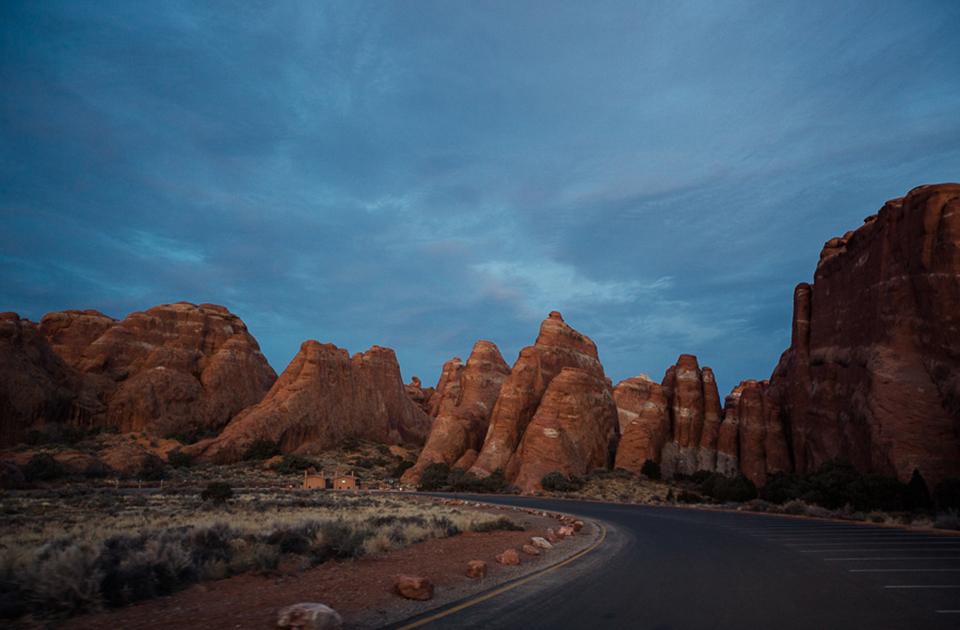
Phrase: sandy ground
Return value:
(360, 590)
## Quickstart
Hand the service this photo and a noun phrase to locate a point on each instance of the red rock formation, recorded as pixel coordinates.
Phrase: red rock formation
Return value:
(762, 444)
(322, 397)
(462, 423)
(681, 427)
(407, 422)
(70, 333)
(873, 370)
(728, 441)
(36, 386)
(557, 346)
(447, 392)
(173, 367)
(419, 395)
(644, 421)
(570, 432)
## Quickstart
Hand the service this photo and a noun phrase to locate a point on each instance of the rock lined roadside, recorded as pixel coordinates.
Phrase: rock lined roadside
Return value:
(361, 591)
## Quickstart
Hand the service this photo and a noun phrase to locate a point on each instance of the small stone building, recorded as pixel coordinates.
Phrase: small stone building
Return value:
(335, 482)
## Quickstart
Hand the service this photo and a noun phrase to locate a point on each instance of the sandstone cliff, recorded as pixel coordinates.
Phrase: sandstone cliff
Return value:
(675, 424)
(465, 417)
(570, 432)
(557, 346)
(36, 385)
(873, 370)
(175, 367)
(323, 396)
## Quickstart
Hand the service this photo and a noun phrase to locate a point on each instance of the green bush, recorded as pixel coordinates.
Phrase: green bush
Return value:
(947, 494)
(151, 470)
(383, 449)
(292, 464)
(917, 495)
(401, 468)
(350, 444)
(651, 470)
(494, 483)
(179, 459)
(689, 497)
(737, 489)
(558, 482)
(217, 491)
(434, 477)
(42, 467)
(261, 449)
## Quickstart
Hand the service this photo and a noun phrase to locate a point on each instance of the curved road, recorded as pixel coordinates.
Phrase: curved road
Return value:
(668, 568)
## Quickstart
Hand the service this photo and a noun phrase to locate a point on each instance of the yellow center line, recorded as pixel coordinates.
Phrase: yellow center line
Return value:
(504, 589)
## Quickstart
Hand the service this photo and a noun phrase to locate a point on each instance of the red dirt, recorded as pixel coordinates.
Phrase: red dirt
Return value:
(360, 590)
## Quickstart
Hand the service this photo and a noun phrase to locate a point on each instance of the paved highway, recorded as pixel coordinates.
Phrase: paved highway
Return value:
(668, 568)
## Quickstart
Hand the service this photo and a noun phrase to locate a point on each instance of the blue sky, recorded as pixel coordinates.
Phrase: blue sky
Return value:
(422, 175)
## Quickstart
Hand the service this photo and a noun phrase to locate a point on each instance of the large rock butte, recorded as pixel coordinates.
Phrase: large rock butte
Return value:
(175, 367)
(571, 431)
(557, 346)
(322, 397)
(464, 418)
(873, 370)
(36, 385)
(675, 424)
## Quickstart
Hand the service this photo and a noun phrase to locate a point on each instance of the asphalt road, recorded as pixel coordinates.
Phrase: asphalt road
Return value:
(668, 568)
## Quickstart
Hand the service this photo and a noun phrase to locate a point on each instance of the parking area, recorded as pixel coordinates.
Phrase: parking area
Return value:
(920, 566)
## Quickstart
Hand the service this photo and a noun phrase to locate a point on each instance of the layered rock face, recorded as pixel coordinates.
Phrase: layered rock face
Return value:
(753, 440)
(644, 419)
(676, 423)
(36, 386)
(174, 367)
(557, 346)
(571, 430)
(406, 421)
(323, 396)
(873, 370)
(464, 418)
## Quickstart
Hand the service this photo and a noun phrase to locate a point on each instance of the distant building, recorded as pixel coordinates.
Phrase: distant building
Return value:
(335, 482)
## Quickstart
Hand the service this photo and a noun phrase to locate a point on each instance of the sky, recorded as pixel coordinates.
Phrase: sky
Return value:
(424, 175)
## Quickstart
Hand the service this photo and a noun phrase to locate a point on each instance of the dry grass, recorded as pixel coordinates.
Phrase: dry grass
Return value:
(70, 551)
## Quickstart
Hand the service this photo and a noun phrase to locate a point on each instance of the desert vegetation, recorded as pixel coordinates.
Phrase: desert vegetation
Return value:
(70, 550)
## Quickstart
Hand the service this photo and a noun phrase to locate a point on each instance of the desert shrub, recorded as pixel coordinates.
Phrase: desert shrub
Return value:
(494, 483)
(179, 459)
(36, 437)
(651, 470)
(917, 495)
(558, 482)
(143, 566)
(151, 470)
(62, 580)
(947, 494)
(217, 491)
(502, 523)
(42, 467)
(689, 497)
(700, 476)
(434, 477)
(261, 449)
(401, 468)
(738, 489)
(291, 464)
(349, 444)
(383, 449)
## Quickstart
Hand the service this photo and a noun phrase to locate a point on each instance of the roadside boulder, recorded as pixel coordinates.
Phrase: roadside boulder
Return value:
(510, 556)
(413, 587)
(309, 616)
(476, 569)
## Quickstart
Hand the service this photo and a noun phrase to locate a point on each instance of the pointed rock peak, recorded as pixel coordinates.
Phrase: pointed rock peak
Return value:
(688, 362)
(556, 332)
